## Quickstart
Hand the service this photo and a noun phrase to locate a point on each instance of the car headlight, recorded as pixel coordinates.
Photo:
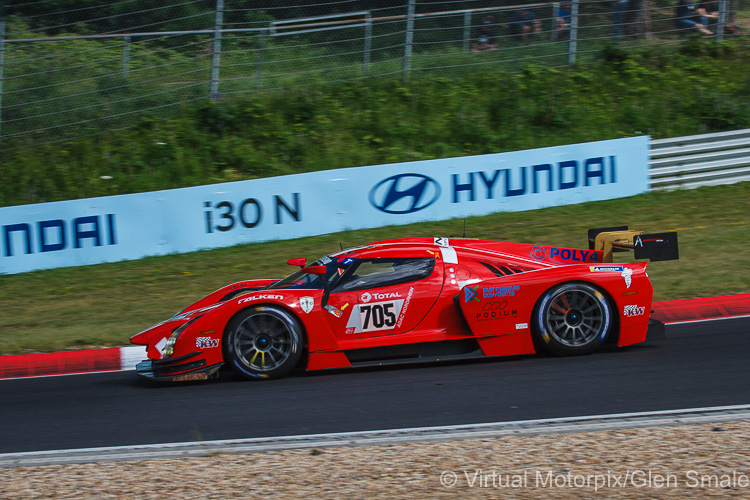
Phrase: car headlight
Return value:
(169, 348)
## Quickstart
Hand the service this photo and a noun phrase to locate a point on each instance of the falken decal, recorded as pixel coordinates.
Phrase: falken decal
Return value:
(265, 296)
(377, 316)
(307, 304)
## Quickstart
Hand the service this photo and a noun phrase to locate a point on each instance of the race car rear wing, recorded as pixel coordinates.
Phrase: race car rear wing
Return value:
(652, 246)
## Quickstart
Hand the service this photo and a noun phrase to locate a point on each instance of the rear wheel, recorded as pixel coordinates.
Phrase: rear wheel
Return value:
(573, 318)
(264, 342)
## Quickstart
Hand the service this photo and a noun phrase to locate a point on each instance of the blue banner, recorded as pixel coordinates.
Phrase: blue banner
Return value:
(114, 228)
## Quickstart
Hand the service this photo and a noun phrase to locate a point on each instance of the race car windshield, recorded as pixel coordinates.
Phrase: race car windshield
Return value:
(303, 281)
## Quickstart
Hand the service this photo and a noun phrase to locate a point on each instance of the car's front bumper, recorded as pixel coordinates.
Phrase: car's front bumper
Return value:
(180, 369)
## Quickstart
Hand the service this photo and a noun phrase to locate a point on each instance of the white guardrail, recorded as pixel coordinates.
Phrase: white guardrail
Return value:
(700, 160)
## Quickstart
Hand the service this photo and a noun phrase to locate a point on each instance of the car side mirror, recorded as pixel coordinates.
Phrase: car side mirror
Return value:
(297, 262)
(314, 269)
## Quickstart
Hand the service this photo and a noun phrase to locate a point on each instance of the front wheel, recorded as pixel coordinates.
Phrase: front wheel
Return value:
(572, 319)
(264, 342)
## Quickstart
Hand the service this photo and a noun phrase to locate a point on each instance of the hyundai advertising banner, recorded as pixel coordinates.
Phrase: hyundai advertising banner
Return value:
(109, 229)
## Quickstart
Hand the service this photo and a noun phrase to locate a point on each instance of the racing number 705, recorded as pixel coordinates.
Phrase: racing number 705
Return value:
(381, 315)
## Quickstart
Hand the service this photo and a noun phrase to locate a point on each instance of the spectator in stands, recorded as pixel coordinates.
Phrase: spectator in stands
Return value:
(562, 20)
(619, 8)
(708, 11)
(687, 17)
(524, 25)
(485, 37)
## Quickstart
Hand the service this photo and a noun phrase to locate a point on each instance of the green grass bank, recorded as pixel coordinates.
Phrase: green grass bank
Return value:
(700, 87)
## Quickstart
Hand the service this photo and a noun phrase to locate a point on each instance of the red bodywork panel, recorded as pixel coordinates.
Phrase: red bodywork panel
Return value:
(478, 291)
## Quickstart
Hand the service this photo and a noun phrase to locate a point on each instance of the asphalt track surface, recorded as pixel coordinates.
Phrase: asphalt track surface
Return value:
(700, 364)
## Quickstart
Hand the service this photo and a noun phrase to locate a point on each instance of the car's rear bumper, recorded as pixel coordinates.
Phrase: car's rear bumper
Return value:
(183, 368)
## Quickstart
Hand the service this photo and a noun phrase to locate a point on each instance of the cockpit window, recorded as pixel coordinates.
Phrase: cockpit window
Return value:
(374, 273)
(344, 274)
(298, 280)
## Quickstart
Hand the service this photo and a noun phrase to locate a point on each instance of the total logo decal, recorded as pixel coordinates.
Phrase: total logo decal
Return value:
(206, 342)
(630, 311)
(367, 296)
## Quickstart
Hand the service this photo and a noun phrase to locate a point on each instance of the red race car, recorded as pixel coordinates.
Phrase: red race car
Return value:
(416, 299)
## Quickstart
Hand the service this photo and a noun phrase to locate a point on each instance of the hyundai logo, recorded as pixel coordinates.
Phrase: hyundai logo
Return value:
(404, 193)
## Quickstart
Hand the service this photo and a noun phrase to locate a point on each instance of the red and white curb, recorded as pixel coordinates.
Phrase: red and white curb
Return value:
(125, 358)
(706, 308)
(71, 362)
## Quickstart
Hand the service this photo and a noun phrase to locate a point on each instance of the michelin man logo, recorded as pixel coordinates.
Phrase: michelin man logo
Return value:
(627, 273)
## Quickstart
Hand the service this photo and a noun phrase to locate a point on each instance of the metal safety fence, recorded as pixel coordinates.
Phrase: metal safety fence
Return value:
(73, 67)
(700, 160)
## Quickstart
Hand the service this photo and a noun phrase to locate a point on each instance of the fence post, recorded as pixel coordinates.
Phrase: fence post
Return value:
(409, 38)
(2, 55)
(126, 55)
(368, 44)
(216, 59)
(259, 62)
(573, 32)
(555, 8)
(467, 31)
(722, 20)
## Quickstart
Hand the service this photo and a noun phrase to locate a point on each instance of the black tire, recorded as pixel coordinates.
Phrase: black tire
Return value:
(572, 319)
(263, 342)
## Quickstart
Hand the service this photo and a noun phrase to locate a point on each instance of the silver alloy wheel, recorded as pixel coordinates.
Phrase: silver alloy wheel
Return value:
(264, 342)
(573, 318)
